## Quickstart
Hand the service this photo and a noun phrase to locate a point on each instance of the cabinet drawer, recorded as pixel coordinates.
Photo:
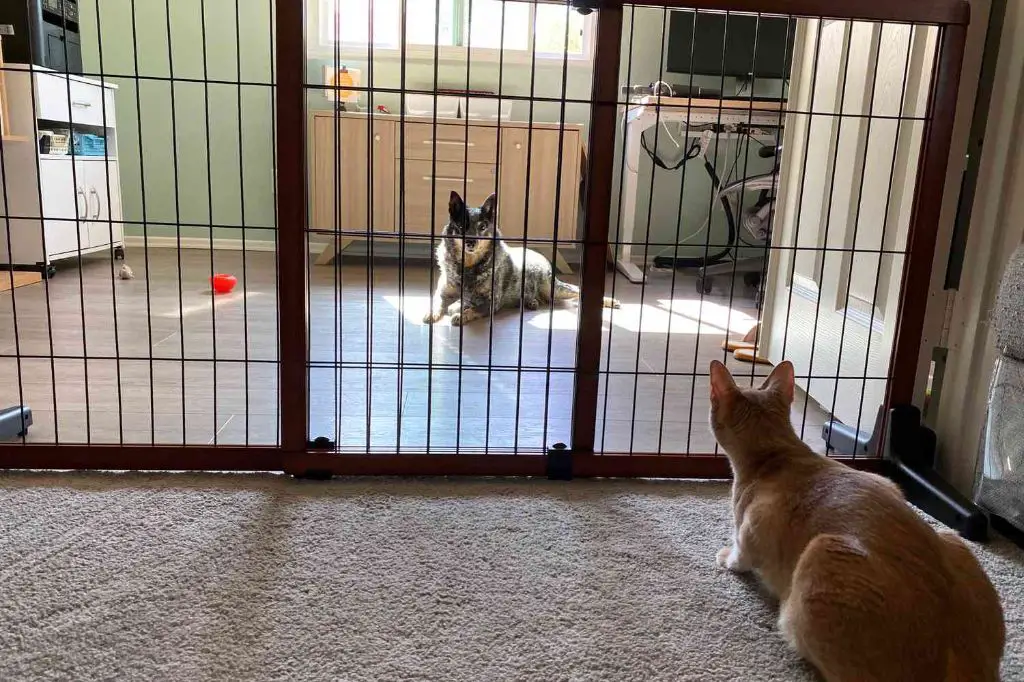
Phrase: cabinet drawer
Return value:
(62, 99)
(452, 142)
(52, 97)
(87, 105)
(426, 181)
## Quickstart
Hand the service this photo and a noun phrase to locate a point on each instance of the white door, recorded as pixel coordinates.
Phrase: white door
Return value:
(102, 186)
(844, 204)
(65, 206)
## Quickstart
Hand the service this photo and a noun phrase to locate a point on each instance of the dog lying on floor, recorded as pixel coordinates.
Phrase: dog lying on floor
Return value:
(481, 274)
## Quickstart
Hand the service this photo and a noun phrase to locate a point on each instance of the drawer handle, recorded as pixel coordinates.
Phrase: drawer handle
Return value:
(81, 103)
(452, 142)
(81, 213)
(94, 193)
(430, 178)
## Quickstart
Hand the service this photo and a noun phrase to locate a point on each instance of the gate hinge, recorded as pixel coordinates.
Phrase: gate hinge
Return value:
(559, 463)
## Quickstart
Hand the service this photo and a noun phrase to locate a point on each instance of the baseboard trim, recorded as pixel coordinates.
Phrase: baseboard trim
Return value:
(219, 244)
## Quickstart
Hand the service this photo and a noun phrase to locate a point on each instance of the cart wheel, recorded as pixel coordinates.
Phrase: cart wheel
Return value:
(752, 279)
(118, 253)
(704, 284)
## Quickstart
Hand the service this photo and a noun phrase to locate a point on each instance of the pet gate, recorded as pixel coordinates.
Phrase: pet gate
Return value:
(748, 181)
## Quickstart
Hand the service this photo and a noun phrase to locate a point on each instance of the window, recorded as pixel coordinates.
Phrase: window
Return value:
(454, 26)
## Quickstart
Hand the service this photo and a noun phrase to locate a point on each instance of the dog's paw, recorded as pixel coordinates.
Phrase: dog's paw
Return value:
(431, 318)
(723, 557)
(457, 319)
(531, 304)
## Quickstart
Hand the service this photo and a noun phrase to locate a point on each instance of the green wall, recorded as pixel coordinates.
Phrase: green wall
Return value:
(147, 130)
(247, 167)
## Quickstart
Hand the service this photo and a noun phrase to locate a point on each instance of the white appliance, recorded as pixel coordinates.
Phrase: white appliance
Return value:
(61, 205)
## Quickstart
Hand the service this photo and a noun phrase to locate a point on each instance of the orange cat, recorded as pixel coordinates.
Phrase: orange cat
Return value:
(869, 592)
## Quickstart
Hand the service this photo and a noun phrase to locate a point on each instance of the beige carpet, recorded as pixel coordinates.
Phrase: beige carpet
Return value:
(258, 578)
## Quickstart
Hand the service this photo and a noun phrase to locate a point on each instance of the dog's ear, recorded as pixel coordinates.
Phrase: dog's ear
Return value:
(456, 207)
(489, 207)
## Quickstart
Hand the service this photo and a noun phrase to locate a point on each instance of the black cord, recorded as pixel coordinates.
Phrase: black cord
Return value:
(691, 153)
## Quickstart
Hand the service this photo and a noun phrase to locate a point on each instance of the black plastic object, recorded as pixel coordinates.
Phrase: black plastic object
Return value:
(910, 449)
(559, 462)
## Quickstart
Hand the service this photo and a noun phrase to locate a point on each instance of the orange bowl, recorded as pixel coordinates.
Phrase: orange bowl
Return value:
(223, 283)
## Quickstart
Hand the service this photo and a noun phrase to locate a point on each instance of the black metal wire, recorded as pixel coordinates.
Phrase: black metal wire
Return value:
(78, 237)
(526, 225)
(828, 221)
(14, 296)
(885, 223)
(647, 236)
(742, 196)
(399, 375)
(767, 249)
(556, 220)
(241, 205)
(856, 226)
(497, 186)
(177, 215)
(145, 229)
(110, 230)
(209, 197)
(369, 222)
(711, 223)
(800, 194)
(675, 253)
(339, 299)
(433, 213)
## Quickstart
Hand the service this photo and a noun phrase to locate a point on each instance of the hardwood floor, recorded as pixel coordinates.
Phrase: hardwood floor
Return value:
(379, 377)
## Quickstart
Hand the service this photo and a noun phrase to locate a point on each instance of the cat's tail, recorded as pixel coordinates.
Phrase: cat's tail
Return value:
(570, 292)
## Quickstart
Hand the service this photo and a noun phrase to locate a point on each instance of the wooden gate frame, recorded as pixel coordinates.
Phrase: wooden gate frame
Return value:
(296, 456)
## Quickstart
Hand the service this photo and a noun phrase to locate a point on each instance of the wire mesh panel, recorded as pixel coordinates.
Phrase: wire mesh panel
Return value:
(442, 236)
(766, 173)
(447, 151)
(138, 177)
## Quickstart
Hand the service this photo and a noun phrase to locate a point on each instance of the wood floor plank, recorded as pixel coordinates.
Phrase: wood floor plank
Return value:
(182, 351)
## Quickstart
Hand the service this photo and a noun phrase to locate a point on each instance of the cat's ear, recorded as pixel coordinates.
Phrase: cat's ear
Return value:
(456, 206)
(489, 207)
(722, 384)
(782, 380)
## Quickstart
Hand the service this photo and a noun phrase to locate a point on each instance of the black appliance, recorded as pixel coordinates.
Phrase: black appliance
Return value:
(718, 46)
(42, 32)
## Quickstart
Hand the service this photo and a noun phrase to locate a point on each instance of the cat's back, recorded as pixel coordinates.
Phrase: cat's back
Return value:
(874, 573)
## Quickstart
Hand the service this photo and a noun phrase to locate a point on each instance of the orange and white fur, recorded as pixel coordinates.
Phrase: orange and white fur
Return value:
(868, 591)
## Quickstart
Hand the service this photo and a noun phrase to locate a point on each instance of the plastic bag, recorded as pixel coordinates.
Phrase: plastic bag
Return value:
(1000, 485)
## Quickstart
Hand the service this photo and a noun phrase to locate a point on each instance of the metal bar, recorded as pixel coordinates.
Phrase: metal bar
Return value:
(292, 255)
(713, 198)
(953, 12)
(110, 233)
(924, 217)
(209, 200)
(241, 217)
(675, 258)
(888, 199)
(595, 255)
(177, 216)
(647, 230)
